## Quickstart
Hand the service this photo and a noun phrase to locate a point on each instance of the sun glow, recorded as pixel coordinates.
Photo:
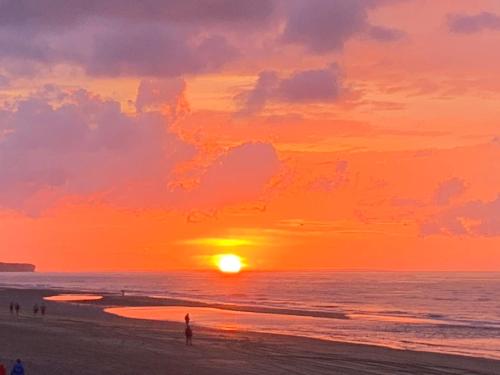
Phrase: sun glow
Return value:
(219, 242)
(229, 263)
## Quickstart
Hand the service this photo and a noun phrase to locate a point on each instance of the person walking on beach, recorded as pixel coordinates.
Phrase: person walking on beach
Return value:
(189, 335)
(187, 319)
(35, 309)
(11, 307)
(18, 368)
(42, 309)
(17, 308)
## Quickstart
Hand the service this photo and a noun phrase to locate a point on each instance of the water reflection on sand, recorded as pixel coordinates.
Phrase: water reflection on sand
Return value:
(73, 297)
(214, 318)
(346, 330)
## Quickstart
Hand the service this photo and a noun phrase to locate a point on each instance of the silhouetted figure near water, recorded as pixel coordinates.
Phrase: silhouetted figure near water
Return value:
(17, 308)
(35, 309)
(189, 335)
(42, 309)
(18, 368)
(187, 319)
(11, 307)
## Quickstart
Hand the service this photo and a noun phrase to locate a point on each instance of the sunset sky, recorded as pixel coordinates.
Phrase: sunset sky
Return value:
(299, 134)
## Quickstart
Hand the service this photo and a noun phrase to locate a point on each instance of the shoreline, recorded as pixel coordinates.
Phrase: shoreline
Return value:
(86, 334)
(146, 300)
(115, 300)
(138, 302)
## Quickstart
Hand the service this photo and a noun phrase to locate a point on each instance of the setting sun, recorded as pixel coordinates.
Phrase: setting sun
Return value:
(229, 263)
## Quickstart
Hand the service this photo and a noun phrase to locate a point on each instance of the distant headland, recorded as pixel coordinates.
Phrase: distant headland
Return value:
(17, 267)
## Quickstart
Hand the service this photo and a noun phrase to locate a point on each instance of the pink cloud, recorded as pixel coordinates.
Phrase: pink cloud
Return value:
(239, 175)
(475, 218)
(84, 145)
(58, 144)
(337, 179)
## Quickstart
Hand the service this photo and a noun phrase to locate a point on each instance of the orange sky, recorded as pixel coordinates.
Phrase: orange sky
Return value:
(300, 135)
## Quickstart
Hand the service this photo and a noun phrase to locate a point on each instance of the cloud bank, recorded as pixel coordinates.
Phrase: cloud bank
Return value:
(154, 38)
(57, 144)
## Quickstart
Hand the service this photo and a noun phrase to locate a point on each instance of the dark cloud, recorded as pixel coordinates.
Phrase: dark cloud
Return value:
(322, 25)
(170, 37)
(468, 24)
(52, 15)
(255, 100)
(152, 94)
(319, 85)
(155, 51)
(306, 86)
(325, 25)
(385, 34)
(18, 45)
(134, 38)
(123, 50)
(447, 190)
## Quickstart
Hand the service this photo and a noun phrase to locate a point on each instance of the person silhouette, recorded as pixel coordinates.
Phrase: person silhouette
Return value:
(18, 368)
(11, 307)
(35, 309)
(42, 309)
(17, 308)
(187, 319)
(189, 335)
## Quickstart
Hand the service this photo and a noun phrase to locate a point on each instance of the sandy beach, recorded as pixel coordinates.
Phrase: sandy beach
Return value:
(80, 338)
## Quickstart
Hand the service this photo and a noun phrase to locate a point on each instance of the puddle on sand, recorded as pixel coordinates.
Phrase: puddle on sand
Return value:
(73, 297)
(216, 318)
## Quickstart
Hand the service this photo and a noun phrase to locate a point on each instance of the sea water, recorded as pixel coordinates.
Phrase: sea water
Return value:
(455, 313)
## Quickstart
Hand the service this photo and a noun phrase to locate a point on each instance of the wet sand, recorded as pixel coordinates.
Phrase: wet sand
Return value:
(80, 338)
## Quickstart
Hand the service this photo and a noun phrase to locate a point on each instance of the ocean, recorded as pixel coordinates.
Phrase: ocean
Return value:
(456, 313)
